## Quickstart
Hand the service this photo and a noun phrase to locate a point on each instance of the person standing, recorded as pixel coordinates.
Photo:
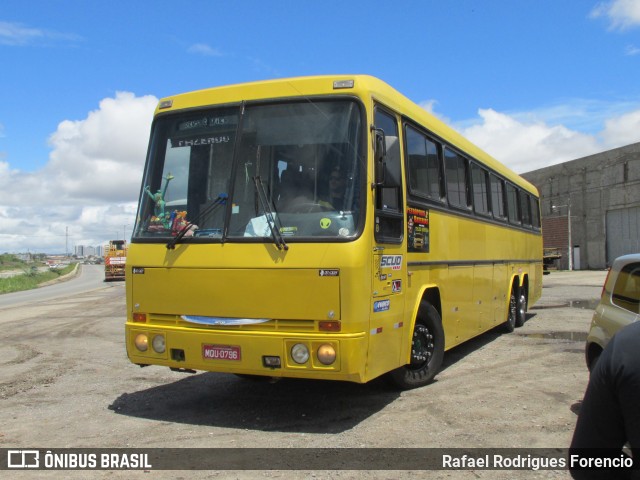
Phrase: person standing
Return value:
(609, 418)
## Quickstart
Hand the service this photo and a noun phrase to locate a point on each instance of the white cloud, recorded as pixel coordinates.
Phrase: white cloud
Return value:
(527, 146)
(429, 106)
(16, 34)
(89, 185)
(527, 141)
(622, 130)
(204, 49)
(622, 14)
(112, 141)
(632, 50)
(19, 35)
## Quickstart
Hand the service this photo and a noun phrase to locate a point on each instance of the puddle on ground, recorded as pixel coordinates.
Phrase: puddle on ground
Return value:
(582, 304)
(568, 336)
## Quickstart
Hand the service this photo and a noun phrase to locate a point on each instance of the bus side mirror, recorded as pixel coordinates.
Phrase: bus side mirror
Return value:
(379, 155)
(386, 159)
(392, 171)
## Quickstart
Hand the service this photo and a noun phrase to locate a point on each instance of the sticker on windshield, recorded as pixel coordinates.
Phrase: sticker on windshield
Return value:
(325, 223)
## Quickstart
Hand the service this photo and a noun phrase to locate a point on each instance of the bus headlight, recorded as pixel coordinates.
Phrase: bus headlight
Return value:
(300, 353)
(158, 344)
(326, 354)
(142, 342)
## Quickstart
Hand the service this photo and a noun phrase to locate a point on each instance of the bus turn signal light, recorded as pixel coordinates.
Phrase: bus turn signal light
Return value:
(329, 326)
(140, 317)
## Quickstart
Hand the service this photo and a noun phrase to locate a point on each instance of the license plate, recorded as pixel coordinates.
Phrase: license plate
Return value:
(221, 352)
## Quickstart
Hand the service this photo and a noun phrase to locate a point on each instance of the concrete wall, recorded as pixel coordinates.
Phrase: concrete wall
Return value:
(591, 186)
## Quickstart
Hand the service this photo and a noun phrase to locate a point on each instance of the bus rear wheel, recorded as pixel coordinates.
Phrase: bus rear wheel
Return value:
(512, 314)
(427, 351)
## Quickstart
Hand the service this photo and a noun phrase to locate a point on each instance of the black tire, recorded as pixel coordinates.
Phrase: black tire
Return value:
(512, 313)
(521, 307)
(427, 351)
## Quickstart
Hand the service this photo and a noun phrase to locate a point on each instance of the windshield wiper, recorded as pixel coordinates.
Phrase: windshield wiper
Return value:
(221, 200)
(268, 212)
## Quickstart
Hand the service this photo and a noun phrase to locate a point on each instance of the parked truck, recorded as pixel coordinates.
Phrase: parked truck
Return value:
(115, 258)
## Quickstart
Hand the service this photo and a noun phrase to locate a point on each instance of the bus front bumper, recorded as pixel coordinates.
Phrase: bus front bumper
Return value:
(273, 354)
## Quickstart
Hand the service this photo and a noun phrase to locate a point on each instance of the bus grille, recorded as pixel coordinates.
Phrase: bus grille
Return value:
(270, 326)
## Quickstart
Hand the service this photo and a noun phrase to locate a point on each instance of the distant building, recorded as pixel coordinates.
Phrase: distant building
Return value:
(25, 257)
(82, 251)
(593, 205)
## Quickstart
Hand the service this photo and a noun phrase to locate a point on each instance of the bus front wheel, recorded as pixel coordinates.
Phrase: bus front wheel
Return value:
(427, 351)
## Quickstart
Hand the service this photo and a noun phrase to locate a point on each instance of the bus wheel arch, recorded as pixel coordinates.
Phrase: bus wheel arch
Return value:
(427, 350)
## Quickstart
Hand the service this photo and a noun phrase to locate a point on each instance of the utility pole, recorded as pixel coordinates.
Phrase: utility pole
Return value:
(570, 246)
(66, 242)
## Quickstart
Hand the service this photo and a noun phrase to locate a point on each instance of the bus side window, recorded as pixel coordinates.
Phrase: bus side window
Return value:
(480, 191)
(423, 165)
(525, 209)
(456, 174)
(513, 205)
(497, 198)
(389, 223)
(535, 213)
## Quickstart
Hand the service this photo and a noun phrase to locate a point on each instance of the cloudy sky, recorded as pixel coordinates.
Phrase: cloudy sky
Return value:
(533, 82)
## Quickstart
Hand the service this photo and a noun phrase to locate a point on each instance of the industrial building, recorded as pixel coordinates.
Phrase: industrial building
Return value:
(591, 207)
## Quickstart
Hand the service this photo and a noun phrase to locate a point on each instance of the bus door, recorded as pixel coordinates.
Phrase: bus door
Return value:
(387, 326)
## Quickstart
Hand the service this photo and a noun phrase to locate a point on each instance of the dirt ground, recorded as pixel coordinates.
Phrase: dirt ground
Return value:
(65, 381)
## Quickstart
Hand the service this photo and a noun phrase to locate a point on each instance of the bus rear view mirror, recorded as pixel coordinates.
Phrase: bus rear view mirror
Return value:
(379, 155)
(380, 146)
(392, 176)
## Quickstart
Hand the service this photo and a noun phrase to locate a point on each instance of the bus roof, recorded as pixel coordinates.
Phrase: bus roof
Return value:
(364, 86)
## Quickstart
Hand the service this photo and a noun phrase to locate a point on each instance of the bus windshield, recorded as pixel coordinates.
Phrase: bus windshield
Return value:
(237, 173)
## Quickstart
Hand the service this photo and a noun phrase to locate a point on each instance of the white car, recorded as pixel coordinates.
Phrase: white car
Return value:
(619, 305)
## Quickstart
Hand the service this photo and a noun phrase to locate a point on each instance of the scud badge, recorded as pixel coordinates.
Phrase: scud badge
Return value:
(391, 261)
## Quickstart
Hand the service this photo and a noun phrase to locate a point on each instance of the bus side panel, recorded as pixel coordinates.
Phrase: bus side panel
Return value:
(483, 297)
(500, 293)
(458, 312)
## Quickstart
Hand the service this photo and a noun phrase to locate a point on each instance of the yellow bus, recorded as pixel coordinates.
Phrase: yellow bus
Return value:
(322, 227)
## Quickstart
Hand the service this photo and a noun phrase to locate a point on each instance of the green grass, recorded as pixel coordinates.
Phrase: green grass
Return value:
(31, 279)
(9, 261)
